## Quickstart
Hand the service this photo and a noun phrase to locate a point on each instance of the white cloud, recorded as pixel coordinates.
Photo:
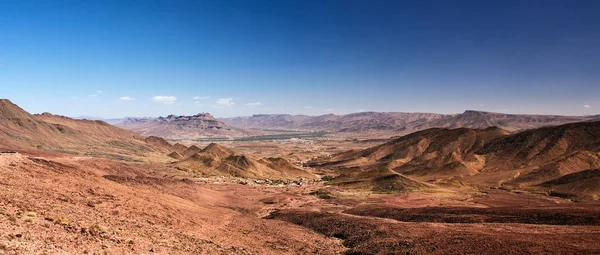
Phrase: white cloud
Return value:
(361, 110)
(307, 107)
(587, 106)
(97, 93)
(225, 101)
(329, 110)
(200, 98)
(165, 99)
(126, 98)
(254, 104)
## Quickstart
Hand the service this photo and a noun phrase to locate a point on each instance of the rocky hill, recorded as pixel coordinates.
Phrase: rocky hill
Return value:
(202, 125)
(20, 130)
(490, 157)
(217, 160)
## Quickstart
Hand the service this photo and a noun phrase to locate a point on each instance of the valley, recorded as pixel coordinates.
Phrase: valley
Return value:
(78, 186)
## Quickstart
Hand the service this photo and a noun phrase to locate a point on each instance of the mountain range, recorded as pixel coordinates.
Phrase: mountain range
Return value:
(399, 122)
(373, 124)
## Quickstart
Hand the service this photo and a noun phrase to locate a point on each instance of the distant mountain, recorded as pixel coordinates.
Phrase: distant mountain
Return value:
(355, 122)
(202, 125)
(509, 122)
(398, 123)
(489, 157)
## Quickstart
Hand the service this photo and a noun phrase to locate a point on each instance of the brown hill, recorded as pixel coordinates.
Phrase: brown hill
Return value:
(176, 155)
(378, 179)
(159, 143)
(445, 152)
(57, 134)
(545, 153)
(215, 159)
(543, 144)
(486, 157)
(202, 125)
(191, 151)
(180, 148)
(217, 151)
(12, 116)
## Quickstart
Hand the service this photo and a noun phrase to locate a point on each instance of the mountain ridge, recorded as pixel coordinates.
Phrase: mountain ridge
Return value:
(490, 157)
(401, 122)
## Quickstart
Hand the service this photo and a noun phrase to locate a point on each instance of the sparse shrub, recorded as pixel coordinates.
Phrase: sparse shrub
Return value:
(327, 178)
(131, 242)
(3, 247)
(12, 219)
(62, 220)
(28, 219)
(31, 214)
(322, 194)
(97, 230)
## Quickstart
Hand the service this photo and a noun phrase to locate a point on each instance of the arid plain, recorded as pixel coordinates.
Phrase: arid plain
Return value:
(368, 183)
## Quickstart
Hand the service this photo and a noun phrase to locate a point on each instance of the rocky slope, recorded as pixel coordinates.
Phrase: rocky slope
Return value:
(48, 133)
(490, 157)
(217, 160)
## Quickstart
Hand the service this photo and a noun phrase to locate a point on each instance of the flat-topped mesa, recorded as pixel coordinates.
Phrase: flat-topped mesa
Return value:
(475, 113)
(197, 117)
(204, 115)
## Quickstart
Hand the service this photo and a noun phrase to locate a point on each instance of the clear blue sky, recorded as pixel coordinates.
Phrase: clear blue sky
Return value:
(148, 58)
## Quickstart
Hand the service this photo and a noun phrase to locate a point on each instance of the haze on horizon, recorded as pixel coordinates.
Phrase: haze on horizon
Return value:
(235, 58)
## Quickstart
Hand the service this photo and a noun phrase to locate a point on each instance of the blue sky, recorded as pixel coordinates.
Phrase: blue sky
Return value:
(232, 58)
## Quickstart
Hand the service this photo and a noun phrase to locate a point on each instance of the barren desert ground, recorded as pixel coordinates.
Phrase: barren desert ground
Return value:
(56, 204)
